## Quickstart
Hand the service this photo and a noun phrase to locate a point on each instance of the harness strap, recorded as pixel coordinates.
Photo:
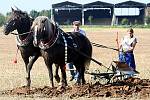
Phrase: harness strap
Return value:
(22, 33)
(48, 44)
(25, 41)
(66, 49)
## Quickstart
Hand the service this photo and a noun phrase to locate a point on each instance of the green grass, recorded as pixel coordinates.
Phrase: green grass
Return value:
(101, 27)
(98, 27)
(104, 26)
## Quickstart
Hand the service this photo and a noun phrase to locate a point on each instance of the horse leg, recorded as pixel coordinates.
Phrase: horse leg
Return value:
(29, 67)
(26, 61)
(63, 73)
(82, 75)
(57, 78)
(49, 67)
(48, 62)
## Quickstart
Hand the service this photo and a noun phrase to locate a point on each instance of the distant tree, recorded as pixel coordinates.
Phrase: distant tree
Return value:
(8, 14)
(45, 13)
(34, 14)
(2, 19)
(124, 21)
(90, 18)
(147, 19)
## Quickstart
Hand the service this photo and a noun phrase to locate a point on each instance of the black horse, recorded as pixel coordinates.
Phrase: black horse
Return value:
(21, 22)
(59, 48)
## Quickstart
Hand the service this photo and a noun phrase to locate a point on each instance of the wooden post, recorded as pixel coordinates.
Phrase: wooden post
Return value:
(82, 15)
(113, 21)
(145, 15)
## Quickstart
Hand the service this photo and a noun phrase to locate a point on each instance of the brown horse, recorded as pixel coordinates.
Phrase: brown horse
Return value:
(58, 47)
(21, 22)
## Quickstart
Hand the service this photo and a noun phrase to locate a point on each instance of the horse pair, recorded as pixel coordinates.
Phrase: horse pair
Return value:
(42, 37)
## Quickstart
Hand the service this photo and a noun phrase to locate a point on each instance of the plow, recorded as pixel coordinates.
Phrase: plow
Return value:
(116, 71)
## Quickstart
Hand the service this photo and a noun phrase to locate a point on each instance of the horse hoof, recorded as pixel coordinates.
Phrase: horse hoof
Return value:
(28, 82)
(77, 83)
(83, 82)
(57, 78)
(28, 85)
(63, 84)
(60, 88)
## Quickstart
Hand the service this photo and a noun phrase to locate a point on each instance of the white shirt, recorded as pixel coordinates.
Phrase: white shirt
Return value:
(126, 42)
(80, 31)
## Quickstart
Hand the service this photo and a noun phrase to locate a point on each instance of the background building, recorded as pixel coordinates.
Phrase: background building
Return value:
(100, 13)
(67, 12)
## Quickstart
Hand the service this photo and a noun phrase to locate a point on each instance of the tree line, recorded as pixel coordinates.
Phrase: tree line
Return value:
(33, 14)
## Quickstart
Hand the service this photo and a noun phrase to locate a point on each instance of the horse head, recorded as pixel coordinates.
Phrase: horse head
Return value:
(44, 30)
(18, 20)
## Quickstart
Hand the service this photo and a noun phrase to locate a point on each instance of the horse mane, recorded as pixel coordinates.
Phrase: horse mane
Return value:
(44, 31)
(37, 23)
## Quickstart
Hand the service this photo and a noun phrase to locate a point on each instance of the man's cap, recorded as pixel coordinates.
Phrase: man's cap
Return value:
(77, 23)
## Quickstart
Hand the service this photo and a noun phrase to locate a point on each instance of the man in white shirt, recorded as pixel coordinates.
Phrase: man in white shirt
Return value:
(127, 46)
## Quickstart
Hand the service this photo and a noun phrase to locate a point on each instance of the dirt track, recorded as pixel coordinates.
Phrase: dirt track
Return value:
(12, 76)
(129, 88)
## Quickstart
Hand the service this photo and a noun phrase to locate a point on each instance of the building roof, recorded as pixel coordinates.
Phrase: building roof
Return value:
(98, 4)
(130, 4)
(148, 4)
(67, 4)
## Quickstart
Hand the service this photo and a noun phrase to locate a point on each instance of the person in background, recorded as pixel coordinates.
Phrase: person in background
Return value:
(126, 49)
(76, 28)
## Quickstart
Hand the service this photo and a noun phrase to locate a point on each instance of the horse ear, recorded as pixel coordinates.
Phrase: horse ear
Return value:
(43, 21)
(12, 9)
(17, 8)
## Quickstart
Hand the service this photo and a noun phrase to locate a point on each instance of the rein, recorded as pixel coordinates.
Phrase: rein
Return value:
(103, 46)
(21, 34)
(25, 41)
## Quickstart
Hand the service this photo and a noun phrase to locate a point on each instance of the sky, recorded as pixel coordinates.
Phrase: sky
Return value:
(38, 5)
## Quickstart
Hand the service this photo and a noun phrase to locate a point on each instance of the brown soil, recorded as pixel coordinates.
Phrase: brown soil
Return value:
(131, 87)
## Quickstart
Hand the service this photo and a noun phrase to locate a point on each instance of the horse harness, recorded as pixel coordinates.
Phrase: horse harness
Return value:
(57, 34)
(25, 41)
(67, 39)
